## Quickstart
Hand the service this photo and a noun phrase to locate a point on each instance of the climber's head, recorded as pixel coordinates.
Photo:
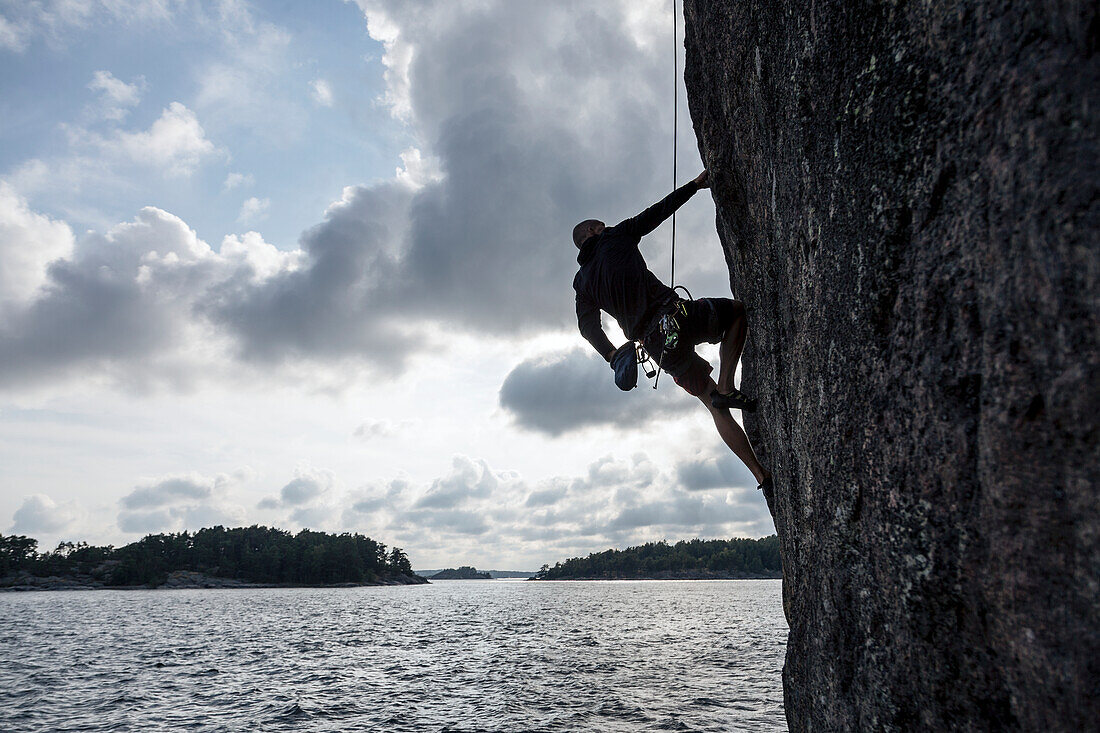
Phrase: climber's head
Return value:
(587, 228)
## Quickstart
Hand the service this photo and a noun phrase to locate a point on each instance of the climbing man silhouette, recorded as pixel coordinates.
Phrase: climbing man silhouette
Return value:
(613, 277)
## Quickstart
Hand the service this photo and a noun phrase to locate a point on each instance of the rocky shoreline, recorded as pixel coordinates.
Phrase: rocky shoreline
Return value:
(176, 580)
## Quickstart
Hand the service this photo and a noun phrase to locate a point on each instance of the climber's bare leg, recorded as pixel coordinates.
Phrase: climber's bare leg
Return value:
(734, 436)
(733, 343)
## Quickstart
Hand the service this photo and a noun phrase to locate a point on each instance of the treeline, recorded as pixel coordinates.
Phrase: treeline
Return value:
(250, 554)
(743, 558)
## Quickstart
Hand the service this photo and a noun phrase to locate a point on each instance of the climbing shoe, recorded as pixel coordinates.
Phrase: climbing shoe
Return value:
(766, 486)
(736, 400)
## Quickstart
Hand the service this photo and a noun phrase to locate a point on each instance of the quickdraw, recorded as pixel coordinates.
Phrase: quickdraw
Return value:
(669, 326)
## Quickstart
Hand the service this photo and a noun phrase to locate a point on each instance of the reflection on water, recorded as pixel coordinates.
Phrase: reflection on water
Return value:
(452, 656)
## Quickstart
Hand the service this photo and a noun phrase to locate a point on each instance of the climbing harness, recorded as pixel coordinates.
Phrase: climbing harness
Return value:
(669, 326)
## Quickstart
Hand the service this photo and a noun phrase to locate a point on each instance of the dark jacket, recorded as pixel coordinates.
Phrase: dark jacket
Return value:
(614, 277)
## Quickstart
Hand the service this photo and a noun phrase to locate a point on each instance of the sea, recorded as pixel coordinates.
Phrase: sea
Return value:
(459, 655)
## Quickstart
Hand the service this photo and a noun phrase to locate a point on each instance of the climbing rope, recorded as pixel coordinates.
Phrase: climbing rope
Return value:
(675, 135)
(675, 132)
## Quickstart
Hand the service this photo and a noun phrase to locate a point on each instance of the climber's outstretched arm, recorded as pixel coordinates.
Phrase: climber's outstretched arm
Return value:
(651, 218)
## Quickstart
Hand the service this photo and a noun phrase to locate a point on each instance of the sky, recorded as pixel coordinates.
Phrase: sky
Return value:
(310, 266)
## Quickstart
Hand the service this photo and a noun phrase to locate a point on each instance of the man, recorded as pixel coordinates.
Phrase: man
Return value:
(613, 277)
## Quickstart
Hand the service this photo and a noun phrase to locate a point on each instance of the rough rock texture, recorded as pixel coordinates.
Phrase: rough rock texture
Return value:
(907, 198)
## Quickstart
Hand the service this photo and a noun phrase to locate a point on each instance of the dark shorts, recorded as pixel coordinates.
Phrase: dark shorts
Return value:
(707, 319)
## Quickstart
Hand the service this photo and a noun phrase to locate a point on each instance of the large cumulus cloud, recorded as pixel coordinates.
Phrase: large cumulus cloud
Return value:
(524, 138)
(39, 513)
(124, 302)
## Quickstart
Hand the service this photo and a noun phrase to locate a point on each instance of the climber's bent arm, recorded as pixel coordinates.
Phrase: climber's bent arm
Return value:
(588, 320)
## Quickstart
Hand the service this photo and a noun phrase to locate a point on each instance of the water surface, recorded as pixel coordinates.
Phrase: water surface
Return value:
(451, 656)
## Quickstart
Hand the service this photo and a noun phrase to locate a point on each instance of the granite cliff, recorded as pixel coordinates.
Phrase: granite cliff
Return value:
(907, 198)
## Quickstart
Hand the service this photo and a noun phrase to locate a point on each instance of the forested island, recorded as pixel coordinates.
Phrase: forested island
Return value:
(687, 560)
(464, 572)
(493, 574)
(213, 557)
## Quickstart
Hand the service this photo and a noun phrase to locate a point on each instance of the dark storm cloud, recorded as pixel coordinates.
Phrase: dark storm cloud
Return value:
(559, 394)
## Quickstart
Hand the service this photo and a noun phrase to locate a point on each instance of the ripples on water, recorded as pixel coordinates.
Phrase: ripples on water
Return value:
(451, 656)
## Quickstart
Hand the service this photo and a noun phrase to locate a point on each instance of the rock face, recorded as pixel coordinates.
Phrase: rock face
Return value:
(907, 199)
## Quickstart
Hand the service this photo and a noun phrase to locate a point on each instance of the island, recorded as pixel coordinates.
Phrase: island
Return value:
(686, 560)
(464, 572)
(493, 574)
(215, 557)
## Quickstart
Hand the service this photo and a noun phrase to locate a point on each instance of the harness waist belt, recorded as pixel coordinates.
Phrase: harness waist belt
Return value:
(652, 318)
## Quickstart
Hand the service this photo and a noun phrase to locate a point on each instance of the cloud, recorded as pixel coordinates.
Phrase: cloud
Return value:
(116, 302)
(211, 515)
(240, 85)
(330, 307)
(375, 429)
(302, 492)
(470, 513)
(457, 521)
(237, 180)
(724, 471)
(469, 479)
(312, 517)
(686, 513)
(54, 19)
(40, 513)
(111, 159)
(484, 245)
(547, 496)
(12, 36)
(473, 511)
(116, 96)
(170, 490)
(304, 489)
(562, 393)
(29, 242)
(516, 142)
(124, 303)
(188, 501)
(175, 143)
(417, 170)
(146, 522)
(253, 209)
(321, 92)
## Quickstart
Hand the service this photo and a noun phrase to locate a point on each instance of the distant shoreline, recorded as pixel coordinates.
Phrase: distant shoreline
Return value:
(182, 580)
